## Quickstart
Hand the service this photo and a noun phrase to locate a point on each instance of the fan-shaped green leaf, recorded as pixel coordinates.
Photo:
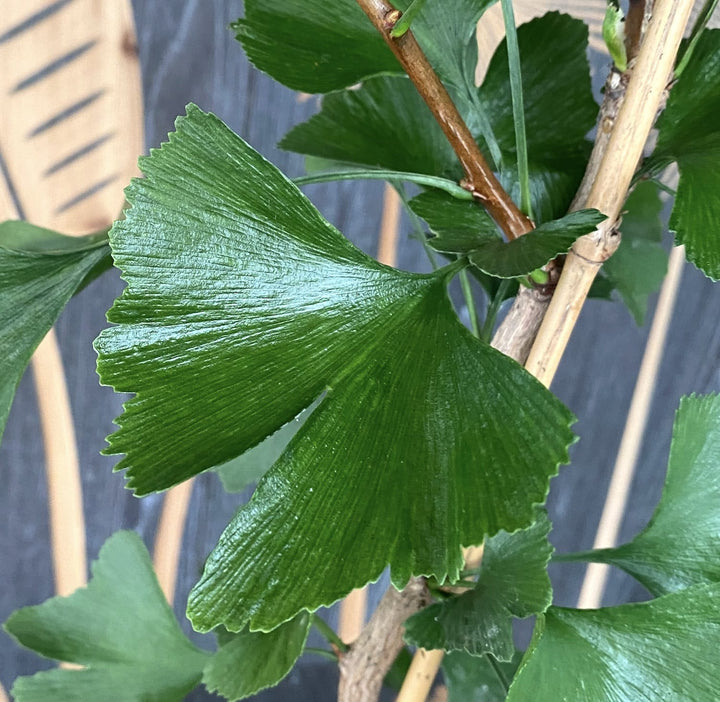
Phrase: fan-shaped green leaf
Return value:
(40, 270)
(688, 515)
(665, 649)
(536, 248)
(513, 582)
(459, 227)
(689, 133)
(243, 306)
(250, 661)
(120, 627)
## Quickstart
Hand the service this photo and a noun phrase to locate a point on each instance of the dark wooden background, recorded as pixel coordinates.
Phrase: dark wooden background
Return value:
(188, 54)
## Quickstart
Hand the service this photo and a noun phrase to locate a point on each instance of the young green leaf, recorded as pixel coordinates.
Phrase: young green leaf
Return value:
(120, 628)
(250, 661)
(513, 582)
(243, 305)
(285, 38)
(478, 677)
(536, 248)
(639, 265)
(40, 271)
(689, 133)
(665, 649)
(459, 227)
(687, 516)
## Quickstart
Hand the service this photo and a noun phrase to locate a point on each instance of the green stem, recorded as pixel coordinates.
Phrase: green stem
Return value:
(492, 311)
(575, 556)
(518, 107)
(470, 302)
(700, 24)
(448, 186)
(322, 653)
(403, 24)
(329, 633)
(498, 671)
(665, 188)
(483, 124)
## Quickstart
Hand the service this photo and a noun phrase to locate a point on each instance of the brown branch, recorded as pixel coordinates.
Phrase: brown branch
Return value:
(364, 666)
(479, 177)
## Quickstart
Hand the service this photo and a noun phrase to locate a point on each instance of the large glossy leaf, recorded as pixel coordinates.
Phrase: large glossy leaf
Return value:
(681, 544)
(119, 627)
(40, 270)
(513, 582)
(477, 678)
(243, 306)
(689, 133)
(250, 661)
(318, 47)
(665, 649)
(536, 248)
(639, 265)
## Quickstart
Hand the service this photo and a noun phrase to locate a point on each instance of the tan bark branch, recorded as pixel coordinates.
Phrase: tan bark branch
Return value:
(421, 675)
(635, 118)
(596, 575)
(364, 666)
(480, 179)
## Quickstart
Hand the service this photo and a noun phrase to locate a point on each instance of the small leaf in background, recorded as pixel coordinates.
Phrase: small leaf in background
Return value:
(559, 110)
(251, 661)
(513, 582)
(119, 627)
(40, 271)
(313, 46)
(478, 678)
(639, 265)
(665, 649)
(689, 133)
(285, 39)
(680, 546)
(244, 305)
(382, 123)
(459, 226)
(248, 468)
(536, 248)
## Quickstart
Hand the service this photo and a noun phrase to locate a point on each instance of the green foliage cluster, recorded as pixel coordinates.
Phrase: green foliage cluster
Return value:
(259, 342)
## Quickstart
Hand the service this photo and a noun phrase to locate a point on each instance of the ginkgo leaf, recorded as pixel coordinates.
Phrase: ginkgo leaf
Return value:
(243, 306)
(318, 47)
(40, 270)
(639, 265)
(665, 649)
(688, 515)
(536, 248)
(250, 661)
(459, 227)
(120, 627)
(478, 677)
(689, 133)
(513, 582)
